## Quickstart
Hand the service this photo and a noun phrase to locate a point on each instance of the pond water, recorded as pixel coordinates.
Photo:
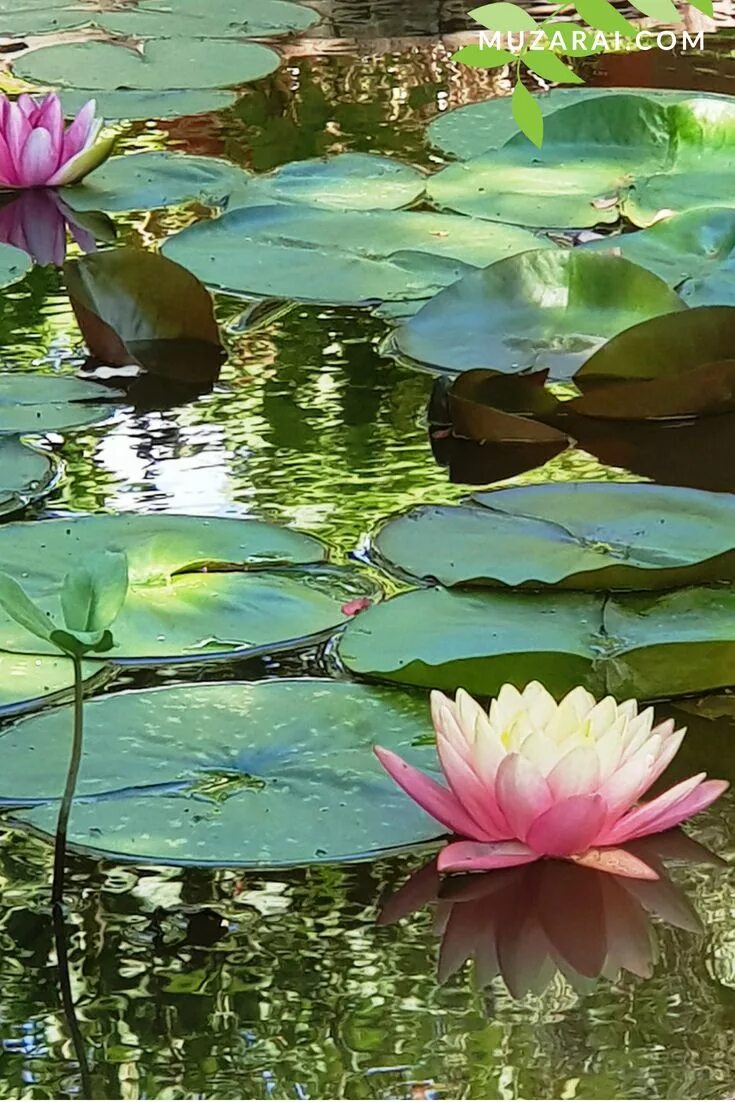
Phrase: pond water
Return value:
(228, 984)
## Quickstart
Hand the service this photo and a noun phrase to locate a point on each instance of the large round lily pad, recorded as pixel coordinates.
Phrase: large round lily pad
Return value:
(536, 310)
(348, 181)
(341, 257)
(26, 475)
(237, 774)
(201, 588)
(49, 403)
(163, 63)
(572, 535)
(28, 682)
(172, 19)
(143, 181)
(646, 646)
(170, 104)
(600, 158)
(474, 129)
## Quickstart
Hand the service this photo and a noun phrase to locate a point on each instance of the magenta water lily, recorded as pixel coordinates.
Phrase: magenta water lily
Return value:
(37, 148)
(533, 778)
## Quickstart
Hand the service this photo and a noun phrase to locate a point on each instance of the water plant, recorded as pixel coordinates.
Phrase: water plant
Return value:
(37, 150)
(534, 779)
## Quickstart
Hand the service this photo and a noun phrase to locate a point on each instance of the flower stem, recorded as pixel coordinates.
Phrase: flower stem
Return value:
(67, 1001)
(57, 889)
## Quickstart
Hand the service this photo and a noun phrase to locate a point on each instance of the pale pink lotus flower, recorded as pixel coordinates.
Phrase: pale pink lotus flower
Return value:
(534, 779)
(38, 150)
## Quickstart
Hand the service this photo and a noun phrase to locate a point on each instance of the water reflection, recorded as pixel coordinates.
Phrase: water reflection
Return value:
(37, 221)
(526, 924)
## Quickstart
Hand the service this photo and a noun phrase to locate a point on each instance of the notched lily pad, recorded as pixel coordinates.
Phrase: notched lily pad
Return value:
(209, 775)
(537, 310)
(570, 535)
(27, 475)
(51, 403)
(200, 588)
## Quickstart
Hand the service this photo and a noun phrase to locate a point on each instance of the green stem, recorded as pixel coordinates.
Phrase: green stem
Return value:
(57, 889)
(67, 1001)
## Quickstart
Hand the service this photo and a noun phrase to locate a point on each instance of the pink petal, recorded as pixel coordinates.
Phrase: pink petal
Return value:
(521, 792)
(438, 801)
(667, 810)
(27, 106)
(78, 132)
(479, 856)
(8, 175)
(617, 862)
(471, 793)
(51, 118)
(17, 132)
(567, 827)
(84, 162)
(37, 159)
(633, 779)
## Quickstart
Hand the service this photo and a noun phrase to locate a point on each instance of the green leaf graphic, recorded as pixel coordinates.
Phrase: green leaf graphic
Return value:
(527, 114)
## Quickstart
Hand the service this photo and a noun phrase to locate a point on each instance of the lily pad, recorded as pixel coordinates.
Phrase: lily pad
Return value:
(14, 264)
(163, 63)
(200, 588)
(169, 104)
(27, 475)
(254, 774)
(472, 130)
(536, 310)
(28, 682)
(601, 158)
(177, 19)
(340, 257)
(52, 403)
(691, 245)
(570, 535)
(144, 181)
(650, 647)
(349, 181)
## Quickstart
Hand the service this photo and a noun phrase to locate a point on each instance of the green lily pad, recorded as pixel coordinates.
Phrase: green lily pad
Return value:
(569, 535)
(692, 245)
(200, 588)
(349, 181)
(51, 403)
(144, 181)
(26, 475)
(535, 310)
(28, 682)
(165, 63)
(600, 158)
(650, 647)
(177, 19)
(254, 774)
(472, 130)
(14, 264)
(149, 105)
(341, 257)
(447, 639)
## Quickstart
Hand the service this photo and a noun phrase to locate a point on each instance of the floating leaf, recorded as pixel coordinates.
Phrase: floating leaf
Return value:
(613, 148)
(484, 406)
(200, 588)
(163, 63)
(704, 390)
(28, 682)
(32, 403)
(643, 646)
(348, 181)
(572, 535)
(211, 774)
(171, 104)
(14, 264)
(472, 130)
(27, 475)
(152, 19)
(333, 256)
(144, 181)
(537, 310)
(138, 307)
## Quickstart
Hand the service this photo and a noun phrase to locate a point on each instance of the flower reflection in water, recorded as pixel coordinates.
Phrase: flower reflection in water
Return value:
(527, 923)
(36, 221)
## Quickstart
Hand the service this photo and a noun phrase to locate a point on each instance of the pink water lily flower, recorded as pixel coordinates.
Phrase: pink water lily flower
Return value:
(38, 150)
(534, 779)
